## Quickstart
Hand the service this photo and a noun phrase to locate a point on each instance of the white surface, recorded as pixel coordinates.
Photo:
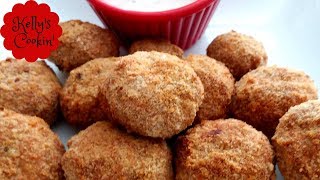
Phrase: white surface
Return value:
(288, 29)
(149, 5)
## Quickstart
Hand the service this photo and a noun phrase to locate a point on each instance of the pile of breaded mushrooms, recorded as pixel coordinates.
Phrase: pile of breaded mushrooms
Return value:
(156, 114)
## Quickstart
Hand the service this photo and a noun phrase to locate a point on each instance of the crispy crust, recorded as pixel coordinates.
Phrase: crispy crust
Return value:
(239, 52)
(29, 88)
(104, 152)
(81, 42)
(153, 94)
(218, 85)
(79, 98)
(265, 94)
(159, 45)
(224, 149)
(297, 142)
(28, 148)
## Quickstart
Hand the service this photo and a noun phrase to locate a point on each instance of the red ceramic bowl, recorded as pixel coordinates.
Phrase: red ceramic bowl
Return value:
(182, 26)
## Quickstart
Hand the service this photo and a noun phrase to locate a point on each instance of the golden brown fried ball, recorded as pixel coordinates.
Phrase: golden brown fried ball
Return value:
(239, 52)
(224, 149)
(264, 95)
(79, 98)
(153, 94)
(159, 45)
(29, 88)
(28, 148)
(104, 152)
(218, 85)
(297, 142)
(81, 42)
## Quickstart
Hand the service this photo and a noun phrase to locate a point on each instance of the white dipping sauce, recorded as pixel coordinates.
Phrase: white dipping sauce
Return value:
(149, 5)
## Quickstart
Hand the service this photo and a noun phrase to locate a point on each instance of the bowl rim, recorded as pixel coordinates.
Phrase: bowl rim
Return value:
(183, 11)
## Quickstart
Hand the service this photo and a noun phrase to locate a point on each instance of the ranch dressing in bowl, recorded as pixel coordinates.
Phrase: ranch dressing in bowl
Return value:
(148, 5)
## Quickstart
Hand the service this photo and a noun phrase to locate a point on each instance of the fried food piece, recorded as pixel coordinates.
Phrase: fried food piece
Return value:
(29, 88)
(297, 141)
(28, 148)
(104, 152)
(153, 94)
(224, 149)
(159, 45)
(218, 85)
(264, 95)
(239, 52)
(79, 98)
(81, 42)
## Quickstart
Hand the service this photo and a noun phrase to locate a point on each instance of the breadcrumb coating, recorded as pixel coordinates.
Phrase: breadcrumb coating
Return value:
(159, 45)
(239, 52)
(297, 142)
(28, 148)
(104, 152)
(29, 88)
(81, 42)
(79, 98)
(224, 149)
(264, 95)
(153, 94)
(218, 85)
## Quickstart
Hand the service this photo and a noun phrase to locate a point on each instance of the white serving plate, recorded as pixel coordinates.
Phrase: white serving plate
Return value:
(289, 30)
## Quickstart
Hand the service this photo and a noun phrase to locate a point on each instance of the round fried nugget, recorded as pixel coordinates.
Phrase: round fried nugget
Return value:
(159, 45)
(239, 52)
(29, 88)
(28, 148)
(79, 98)
(264, 95)
(104, 152)
(218, 85)
(81, 42)
(224, 149)
(153, 94)
(297, 141)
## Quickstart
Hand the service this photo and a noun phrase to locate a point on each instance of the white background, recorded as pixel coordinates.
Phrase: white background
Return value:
(289, 30)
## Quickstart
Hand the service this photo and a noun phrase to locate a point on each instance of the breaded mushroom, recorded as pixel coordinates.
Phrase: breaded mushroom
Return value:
(81, 42)
(104, 152)
(79, 98)
(218, 85)
(159, 45)
(297, 142)
(240, 53)
(29, 88)
(264, 95)
(28, 148)
(153, 94)
(224, 149)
